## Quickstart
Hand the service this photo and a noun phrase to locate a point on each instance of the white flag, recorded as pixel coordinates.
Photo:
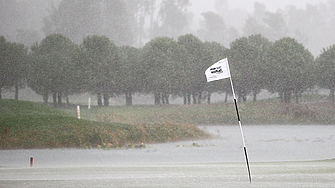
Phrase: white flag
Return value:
(218, 71)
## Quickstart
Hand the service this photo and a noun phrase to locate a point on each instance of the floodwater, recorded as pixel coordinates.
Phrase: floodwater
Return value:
(279, 156)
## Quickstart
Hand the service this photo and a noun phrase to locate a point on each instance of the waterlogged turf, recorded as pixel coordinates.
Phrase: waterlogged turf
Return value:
(280, 156)
(278, 174)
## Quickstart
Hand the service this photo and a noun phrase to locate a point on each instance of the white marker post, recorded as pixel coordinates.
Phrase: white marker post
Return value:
(89, 103)
(78, 111)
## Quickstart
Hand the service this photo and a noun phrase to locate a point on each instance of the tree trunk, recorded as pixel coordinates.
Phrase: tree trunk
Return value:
(188, 99)
(166, 96)
(16, 91)
(99, 98)
(163, 98)
(254, 98)
(129, 99)
(244, 98)
(185, 99)
(67, 100)
(106, 99)
(54, 98)
(60, 99)
(199, 97)
(45, 98)
(194, 97)
(226, 97)
(287, 96)
(239, 97)
(157, 97)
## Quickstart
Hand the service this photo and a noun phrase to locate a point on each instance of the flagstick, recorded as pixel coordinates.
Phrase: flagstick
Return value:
(239, 122)
(218, 71)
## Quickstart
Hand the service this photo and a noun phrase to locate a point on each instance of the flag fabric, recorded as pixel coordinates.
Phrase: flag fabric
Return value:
(218, 71)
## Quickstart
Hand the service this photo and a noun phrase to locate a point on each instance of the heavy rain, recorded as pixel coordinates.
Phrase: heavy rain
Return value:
(113, 93)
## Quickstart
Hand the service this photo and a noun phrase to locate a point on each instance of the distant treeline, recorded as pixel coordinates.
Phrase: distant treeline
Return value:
(58, 67)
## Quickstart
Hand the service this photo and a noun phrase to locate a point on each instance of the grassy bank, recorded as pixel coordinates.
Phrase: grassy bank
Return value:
(264, 112)
(32, 125)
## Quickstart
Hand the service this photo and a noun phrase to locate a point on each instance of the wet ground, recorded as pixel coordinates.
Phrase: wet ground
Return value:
(280, 156)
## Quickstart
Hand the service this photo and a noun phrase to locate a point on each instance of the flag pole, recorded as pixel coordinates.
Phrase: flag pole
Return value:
(218, 71)
(239, 122)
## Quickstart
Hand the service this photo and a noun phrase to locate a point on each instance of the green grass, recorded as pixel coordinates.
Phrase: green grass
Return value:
(31, 125)
(263, 112)
(16, 107)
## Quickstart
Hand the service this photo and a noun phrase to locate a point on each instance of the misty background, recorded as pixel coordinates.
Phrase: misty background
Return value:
(135, 22)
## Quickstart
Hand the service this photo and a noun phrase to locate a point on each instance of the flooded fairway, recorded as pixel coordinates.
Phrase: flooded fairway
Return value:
(279, 174)
(280, 156)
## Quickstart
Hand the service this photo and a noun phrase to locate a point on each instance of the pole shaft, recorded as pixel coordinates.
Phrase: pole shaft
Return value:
(239, 122)
(246, 157)
(238, 115)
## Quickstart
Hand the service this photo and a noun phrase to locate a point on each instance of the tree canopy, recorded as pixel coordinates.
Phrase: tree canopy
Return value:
(13, 57)
(52, 67)
(101, 58)
(248, 56)
(326, 69)
(164, 67)
(289, 66)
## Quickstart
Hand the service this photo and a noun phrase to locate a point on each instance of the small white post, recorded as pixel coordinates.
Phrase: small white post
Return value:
(78, 111)
(89, 103)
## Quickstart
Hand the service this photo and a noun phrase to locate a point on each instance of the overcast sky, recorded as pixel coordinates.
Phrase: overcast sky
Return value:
(271, 5)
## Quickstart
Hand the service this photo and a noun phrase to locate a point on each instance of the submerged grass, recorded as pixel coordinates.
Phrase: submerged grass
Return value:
(31, 125)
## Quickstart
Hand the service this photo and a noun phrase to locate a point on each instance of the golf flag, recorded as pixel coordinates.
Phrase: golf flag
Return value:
(218, 71)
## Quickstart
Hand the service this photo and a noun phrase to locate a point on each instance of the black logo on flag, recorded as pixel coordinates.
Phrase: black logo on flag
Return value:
(217, 70)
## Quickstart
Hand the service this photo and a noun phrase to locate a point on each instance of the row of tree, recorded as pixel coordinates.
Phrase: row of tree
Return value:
(58, 67)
